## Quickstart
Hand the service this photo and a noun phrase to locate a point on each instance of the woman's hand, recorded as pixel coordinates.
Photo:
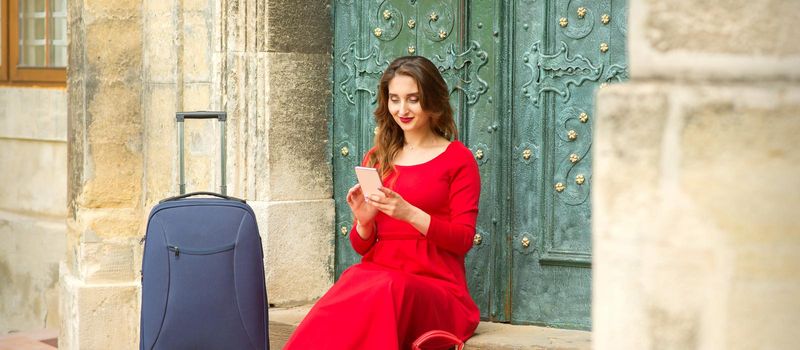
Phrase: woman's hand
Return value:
(363, 212)
(392, 204)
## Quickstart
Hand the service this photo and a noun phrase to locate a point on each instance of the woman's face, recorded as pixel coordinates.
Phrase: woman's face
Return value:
(404, 104)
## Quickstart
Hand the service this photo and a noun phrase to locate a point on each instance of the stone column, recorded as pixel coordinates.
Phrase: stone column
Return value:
(99, 291)
(275, 79)
(696, 236)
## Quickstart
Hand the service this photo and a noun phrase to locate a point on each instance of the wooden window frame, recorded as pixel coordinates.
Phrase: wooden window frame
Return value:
(10, 72)
(4, 40)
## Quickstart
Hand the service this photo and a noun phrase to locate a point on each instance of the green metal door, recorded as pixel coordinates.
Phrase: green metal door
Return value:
(522, 76)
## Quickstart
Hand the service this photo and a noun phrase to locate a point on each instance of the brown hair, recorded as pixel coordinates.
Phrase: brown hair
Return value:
(434, 97)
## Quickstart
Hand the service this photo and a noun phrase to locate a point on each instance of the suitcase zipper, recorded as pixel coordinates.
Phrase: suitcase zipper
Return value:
(177, 250)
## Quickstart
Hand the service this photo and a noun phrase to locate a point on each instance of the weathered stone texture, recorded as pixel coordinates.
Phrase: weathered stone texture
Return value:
(33, 177)
(106, 166)
(33, 114)
(113, 49)
(113, 169)
(705, 253)
(29, 254)
(243, 30)
(110, 9)
(721, 40)
(729, 26)
(298, 106)
(33, 159)
(159, 61)
(197, 47)
(298, 249)
(298, 29)
(160, 145)
(107, 260)
(644, 114)
(98, 316)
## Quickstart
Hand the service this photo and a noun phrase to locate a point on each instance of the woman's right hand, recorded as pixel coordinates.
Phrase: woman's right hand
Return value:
(363, 212)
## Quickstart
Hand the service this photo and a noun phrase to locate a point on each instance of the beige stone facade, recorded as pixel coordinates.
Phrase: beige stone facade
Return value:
(696, 244)
(695, 241)
(33, 177)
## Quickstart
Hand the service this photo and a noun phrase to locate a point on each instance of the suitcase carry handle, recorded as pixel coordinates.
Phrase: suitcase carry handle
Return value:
(187, 195)
(440, 334)
(222, 117)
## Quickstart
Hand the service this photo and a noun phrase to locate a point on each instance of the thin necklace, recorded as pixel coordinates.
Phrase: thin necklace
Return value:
(413, 147)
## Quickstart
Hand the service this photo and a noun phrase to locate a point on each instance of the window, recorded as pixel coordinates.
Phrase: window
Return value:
(34, 41)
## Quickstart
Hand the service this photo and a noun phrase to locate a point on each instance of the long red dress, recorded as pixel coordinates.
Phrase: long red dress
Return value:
(407, 283)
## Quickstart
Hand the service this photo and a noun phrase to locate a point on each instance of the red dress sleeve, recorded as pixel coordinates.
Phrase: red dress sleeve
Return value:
(457, 232)
(360, 245)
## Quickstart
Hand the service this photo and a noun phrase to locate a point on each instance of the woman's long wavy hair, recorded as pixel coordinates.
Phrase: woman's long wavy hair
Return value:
(434, 97)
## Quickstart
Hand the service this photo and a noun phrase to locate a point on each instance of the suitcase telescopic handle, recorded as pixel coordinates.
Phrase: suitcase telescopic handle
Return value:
(192, 194)
(222, 118)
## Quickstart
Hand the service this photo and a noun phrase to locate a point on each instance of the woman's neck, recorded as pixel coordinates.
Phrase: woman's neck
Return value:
(420, 140)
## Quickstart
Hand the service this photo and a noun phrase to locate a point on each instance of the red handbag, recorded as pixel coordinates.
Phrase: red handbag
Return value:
(439, 335)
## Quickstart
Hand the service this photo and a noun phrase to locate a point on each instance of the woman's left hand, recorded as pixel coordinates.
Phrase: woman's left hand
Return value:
(392, 204)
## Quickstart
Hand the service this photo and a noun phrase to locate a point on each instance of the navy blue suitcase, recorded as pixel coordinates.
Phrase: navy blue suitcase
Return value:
(202, 273)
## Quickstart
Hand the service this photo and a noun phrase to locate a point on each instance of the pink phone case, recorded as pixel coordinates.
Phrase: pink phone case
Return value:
(369, 179)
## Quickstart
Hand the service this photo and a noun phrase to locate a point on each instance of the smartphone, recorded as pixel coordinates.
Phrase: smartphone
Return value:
(369, 179)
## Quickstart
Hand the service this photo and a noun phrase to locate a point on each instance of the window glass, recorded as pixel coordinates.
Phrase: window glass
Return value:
(42, 37)
(58, 54)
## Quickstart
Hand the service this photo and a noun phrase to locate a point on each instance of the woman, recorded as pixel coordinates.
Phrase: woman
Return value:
(414, 235)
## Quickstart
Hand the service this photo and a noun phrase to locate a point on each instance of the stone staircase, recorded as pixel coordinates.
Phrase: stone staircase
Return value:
(488, 336)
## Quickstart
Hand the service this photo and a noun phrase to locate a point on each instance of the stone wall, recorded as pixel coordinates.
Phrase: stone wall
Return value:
(133, 64)
(33, 159)
(696, 244)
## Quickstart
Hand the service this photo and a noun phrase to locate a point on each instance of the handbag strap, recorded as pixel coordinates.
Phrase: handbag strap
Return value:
(437, 334)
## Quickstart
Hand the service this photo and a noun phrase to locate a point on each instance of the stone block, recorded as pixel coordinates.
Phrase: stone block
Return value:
(295, 28)
(29, 256)
(97, 10)
(100, 316)
(240, 28)
(107, 260)
(34, 177)
(205, 6)
(113, 50)
(159, 61)
(160, 140)
(299, 92)
(197, 97)
(112, 172)
(34, 114)
(158, 8)
(696, 247)
(298, 249)
(641, 110)
(110, 223)
(742, 138)
(726, 40)
(197, 43)
(114, 181)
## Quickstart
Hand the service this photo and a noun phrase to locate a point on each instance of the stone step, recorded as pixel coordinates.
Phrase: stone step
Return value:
(488, 336)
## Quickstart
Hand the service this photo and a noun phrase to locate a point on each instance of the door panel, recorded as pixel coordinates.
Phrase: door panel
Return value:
(560, 68)
(522, 76)
(368, 35)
